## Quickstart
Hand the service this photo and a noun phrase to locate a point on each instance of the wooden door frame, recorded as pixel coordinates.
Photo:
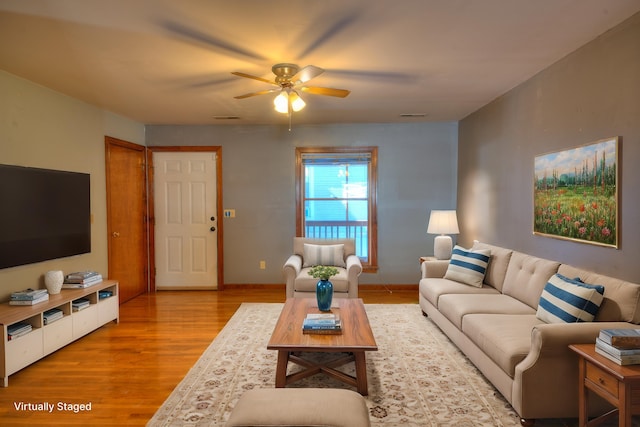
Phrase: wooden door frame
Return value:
(109, 141)
(151, 208)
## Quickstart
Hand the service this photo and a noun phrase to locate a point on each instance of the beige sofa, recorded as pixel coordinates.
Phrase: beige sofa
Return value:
(496, 327)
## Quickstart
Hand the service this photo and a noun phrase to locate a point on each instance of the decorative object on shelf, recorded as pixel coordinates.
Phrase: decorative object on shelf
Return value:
(443, 223)
(53, 280)
(81, 279)
(575, 193)
(324, 288)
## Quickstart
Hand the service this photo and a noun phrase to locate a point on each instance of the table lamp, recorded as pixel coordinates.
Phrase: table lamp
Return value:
(443, 223)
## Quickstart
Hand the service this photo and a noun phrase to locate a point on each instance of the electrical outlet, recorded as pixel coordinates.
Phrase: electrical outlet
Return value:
(263, 265)
(229, 213)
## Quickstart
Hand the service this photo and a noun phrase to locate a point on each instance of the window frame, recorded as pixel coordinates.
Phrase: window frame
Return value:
(371, 265)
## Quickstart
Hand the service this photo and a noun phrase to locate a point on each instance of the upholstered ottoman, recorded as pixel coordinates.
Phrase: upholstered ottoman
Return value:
(316, 407)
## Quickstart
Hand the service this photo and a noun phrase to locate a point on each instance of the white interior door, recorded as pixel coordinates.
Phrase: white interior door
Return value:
(185, 220)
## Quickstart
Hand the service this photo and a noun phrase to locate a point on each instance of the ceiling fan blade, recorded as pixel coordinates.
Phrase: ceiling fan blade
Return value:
(340, 93)
(331, 32)
(306, 73)
(201, 38)
(379, 76)
(249, 76)
(261, 92)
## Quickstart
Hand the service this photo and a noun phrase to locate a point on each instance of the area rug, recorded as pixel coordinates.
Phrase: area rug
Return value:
(416, 378)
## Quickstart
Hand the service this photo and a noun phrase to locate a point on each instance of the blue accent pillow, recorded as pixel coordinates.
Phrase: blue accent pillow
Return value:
(468, 267)
(566, 300)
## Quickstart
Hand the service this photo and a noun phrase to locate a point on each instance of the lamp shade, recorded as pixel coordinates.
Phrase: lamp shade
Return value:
(443, 222)
(297, 103)
(281, 102)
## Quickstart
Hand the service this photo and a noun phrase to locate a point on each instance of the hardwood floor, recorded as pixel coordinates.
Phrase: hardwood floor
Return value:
(125, 371)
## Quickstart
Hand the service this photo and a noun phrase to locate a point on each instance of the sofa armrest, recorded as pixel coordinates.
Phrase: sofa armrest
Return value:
(353, 266)
(293, 265)
(291, 269)
(554, 338)
(435, 268)
(550, 361)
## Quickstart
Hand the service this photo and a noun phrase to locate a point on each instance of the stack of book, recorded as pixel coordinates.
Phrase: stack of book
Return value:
(619, 345)
(52, 315)
(81, 279)
(322, 323)
(29, 297)
(80, 304)
(17, 330)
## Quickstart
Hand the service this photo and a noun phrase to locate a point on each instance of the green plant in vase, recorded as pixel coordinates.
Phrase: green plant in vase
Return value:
(323, 272)
(324, 288)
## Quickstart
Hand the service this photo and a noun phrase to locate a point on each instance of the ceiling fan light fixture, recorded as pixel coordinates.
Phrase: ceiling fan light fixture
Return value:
(281, 102)
(297, 103)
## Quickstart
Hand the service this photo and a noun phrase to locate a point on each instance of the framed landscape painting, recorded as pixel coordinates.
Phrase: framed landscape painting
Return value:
(575, 193)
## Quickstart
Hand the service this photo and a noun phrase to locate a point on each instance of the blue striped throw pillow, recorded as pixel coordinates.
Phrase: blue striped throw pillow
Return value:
(566, 300)
(467, 266)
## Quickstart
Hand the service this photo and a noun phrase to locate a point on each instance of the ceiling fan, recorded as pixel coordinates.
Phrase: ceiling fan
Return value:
(288, 81)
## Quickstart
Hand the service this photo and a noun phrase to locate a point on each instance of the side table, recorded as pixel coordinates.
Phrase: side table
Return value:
(617, 384)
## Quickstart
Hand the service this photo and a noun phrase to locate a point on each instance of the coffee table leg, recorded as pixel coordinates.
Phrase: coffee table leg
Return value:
(361, 372)
(281, 368)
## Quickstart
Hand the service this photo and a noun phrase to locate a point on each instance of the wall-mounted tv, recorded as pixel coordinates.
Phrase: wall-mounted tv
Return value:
(44, 214)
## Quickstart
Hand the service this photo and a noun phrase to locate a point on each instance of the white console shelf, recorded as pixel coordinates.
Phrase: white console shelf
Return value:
(45, 339)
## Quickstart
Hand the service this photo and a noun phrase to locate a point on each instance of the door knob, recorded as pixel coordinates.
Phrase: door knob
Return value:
(115, 234)
(213, 218)
(212, 229)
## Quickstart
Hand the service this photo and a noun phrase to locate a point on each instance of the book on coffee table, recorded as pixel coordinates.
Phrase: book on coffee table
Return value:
(321, 323)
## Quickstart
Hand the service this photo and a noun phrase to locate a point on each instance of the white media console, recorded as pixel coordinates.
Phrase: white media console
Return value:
(44, 338)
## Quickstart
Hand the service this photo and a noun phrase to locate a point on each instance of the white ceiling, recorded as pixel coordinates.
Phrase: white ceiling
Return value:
(170, 61)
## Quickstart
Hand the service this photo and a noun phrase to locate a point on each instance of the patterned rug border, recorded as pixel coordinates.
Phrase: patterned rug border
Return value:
(416, 378)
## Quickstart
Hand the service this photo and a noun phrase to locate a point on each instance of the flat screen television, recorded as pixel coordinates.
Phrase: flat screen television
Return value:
(44, 214)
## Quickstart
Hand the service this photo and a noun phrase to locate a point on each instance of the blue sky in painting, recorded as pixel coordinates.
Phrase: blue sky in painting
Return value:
(566, 162)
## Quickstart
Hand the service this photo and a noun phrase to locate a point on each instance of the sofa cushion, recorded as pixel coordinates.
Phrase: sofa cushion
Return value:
(621, 298)
(455, 307)
(467, 266)
(298, 244)
(526, 277)
(566, 300)
(306, 283)
(323, 255)
(498, 263)
(432, 288)
(504, 338)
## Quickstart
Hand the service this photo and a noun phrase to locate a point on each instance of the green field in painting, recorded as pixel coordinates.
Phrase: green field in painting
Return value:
(578, 213)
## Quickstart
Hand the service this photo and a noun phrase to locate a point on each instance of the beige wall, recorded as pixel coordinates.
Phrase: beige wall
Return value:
(591, 94)
(42, 128)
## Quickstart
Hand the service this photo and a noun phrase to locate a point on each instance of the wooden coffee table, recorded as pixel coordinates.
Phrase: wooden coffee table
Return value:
(356, 338)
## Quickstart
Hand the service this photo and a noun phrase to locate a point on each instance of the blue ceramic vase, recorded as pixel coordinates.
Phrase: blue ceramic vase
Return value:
(324, 294)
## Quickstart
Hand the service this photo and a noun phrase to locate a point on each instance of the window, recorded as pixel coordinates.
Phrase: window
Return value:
(336, 197)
